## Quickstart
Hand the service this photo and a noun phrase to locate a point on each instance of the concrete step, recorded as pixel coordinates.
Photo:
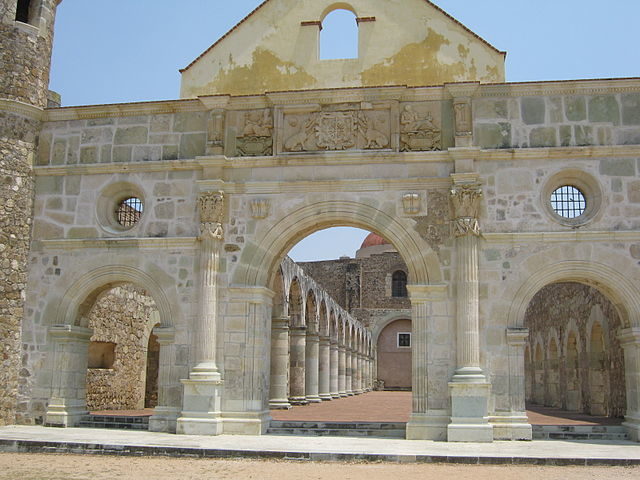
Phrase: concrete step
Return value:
(338, 429)
(579, 432)
(115, 422)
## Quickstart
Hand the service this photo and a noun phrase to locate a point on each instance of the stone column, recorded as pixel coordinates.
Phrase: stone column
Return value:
(429, 417)
(469, 388)
(514, 424)
(630, 342)
(333, 380)
(348, 371)
(203, 389)
(312, 367)
(279, 385)
(68, 402)
(342, 367)
(324, 382)
(165, 415)
(297, 339)
(358, 374)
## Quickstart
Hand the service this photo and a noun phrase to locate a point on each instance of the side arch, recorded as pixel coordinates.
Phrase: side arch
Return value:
(618, 288)
(269, 246)
(81, 295)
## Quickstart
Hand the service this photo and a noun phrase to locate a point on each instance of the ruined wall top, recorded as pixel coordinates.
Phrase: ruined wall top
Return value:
(276, 48)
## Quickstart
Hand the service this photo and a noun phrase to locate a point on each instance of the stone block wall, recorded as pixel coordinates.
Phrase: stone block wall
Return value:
(557, 121)
(125, 139)
(124, 316)
(600, 384)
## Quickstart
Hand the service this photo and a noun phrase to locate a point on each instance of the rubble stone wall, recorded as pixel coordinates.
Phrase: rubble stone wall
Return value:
(124, 316)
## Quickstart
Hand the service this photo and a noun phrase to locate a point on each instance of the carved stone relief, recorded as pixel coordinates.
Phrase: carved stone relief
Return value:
(435, 227)
(259, 208)
(255, 136)
(420, 128)
(336, 129)
(462, 110)
(215, 133)
(466, 205)
(211, 208)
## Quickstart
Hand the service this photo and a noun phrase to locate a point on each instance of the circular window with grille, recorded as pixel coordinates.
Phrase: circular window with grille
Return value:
(572, 197)
(568, 201)
(120, 207)
(129, 212)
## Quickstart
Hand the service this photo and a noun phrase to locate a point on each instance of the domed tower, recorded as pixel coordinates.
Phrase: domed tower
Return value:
(26, 36)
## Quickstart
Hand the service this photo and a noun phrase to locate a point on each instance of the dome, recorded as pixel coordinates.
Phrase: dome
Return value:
(373, 240)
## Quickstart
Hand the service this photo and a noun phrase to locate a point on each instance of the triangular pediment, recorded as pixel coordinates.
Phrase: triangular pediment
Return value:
(401, 42)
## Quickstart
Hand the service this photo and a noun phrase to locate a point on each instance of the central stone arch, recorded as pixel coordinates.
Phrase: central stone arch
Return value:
(262, 257)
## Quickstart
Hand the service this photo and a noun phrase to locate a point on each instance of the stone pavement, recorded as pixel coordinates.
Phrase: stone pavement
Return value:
(95, 441)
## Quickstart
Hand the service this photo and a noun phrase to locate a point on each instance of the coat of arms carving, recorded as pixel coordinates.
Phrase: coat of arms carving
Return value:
(336, 130)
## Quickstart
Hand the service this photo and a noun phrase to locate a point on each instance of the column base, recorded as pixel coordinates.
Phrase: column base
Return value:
(325, 397)
(469, 419)
(279, 404)
(428, 426)
(298, 400)
(632, 425)
(513, 426)
(164, 419)
(63, 414)
(314, 399)
(469, 375)
(335, 395)
(201, 408)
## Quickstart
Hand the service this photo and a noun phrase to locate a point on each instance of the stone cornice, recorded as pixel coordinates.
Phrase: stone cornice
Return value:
(551, 237)
(569, 87)
(122, 110)
(132, 243)
(21, 108)
(564, 153)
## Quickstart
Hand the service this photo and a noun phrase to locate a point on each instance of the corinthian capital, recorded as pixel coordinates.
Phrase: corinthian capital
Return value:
(466, 206)
(211, 207)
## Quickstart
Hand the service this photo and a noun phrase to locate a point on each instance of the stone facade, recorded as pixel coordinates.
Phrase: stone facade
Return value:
(458, 176)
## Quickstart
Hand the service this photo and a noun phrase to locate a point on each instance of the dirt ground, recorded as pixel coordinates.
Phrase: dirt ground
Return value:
(89, 467)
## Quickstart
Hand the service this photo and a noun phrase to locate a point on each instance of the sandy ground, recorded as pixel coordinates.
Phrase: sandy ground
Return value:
(89, 467)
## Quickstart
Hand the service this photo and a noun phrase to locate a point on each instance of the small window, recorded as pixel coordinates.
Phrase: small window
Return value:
(129, 212)
(102, 355)
(22, 11)
(399, 284)
(404, 340)
(568, 201)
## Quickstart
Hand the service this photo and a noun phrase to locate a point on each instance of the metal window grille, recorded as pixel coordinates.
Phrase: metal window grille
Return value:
(399, 284)
(129, 212)
(568, 202)
(404, 339)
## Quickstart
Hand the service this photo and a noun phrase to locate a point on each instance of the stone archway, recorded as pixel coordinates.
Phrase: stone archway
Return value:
(69, 339)
(260, 261)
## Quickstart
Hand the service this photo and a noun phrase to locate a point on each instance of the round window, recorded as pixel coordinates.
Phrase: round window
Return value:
(568, 201)
(129, 211)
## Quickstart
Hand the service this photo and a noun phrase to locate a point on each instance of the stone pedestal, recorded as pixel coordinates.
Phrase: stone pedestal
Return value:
(68, 401)
(201, 408)
(324, 368)
(469, 421)
(312, 368)
(279, 385)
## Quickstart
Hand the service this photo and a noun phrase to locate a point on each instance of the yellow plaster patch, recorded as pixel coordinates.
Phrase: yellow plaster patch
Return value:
(418, 64)
(267, 72)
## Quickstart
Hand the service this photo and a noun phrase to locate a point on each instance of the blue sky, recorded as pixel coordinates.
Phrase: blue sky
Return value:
(111, 51)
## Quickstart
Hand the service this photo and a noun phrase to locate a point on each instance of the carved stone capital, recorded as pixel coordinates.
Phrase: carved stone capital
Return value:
(211, 207)
(466, 207)
(259, 208)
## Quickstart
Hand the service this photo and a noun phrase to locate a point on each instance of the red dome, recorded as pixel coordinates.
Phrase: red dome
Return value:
(373, 240)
